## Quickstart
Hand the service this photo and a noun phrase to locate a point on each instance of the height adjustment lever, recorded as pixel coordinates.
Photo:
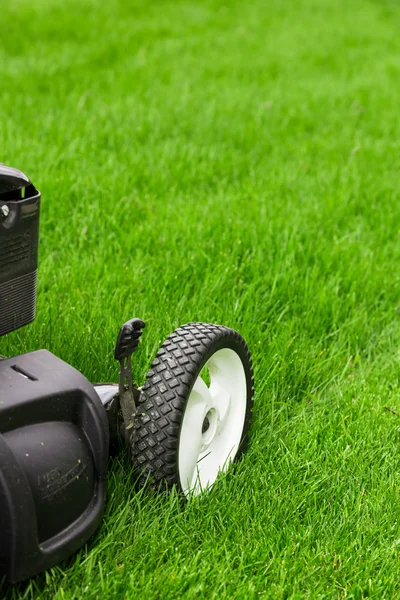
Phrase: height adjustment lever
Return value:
(127, 343)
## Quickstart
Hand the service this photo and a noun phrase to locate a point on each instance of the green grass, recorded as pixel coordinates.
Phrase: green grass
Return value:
(236, 163)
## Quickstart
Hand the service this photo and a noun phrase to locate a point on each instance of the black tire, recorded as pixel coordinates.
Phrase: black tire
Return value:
(164, 396)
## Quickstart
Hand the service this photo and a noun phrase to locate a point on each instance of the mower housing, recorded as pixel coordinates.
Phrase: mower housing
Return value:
(53, 461)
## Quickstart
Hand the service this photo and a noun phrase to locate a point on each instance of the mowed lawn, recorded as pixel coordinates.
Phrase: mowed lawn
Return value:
(236, 163)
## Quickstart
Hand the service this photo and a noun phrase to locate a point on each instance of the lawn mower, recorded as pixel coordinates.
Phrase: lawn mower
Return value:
(183, 427)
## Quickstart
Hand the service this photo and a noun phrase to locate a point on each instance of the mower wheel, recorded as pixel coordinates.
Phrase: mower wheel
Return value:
(195, 408)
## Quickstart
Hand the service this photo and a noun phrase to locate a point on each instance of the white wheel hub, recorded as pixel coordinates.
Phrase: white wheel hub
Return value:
(213, 422)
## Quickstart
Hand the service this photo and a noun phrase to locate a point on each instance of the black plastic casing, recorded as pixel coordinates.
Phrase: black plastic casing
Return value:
(53, 461)
(19, 238)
